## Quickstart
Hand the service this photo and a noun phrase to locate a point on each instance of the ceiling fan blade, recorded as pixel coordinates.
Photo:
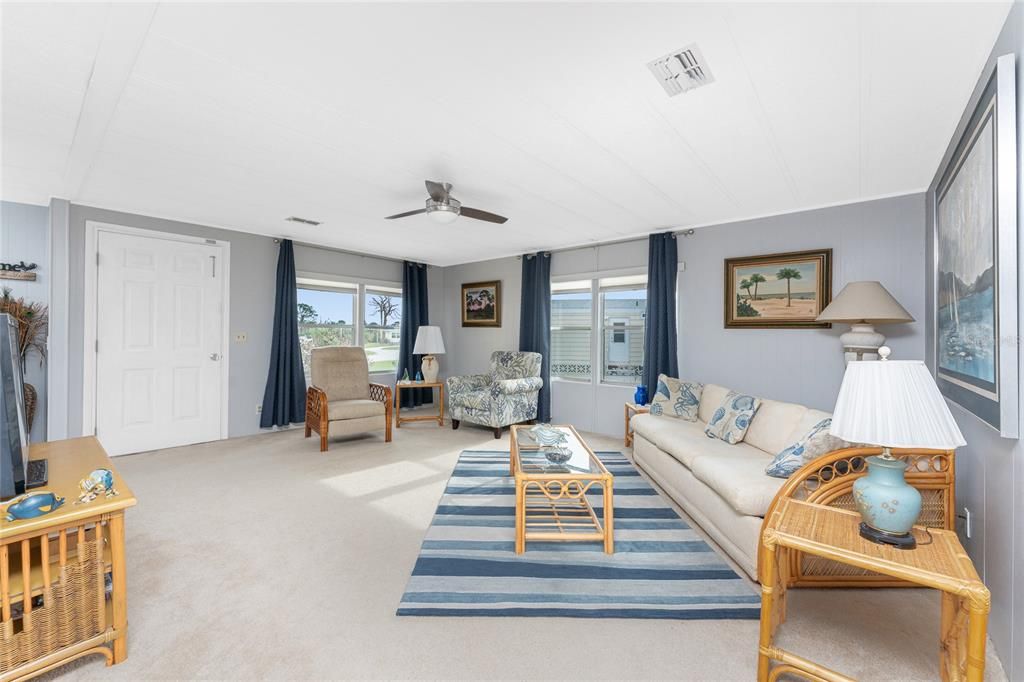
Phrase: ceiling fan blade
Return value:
(437, 190)
(407, 213)
(482, 215)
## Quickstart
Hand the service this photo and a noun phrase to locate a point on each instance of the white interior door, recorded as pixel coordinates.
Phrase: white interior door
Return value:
(159, 333)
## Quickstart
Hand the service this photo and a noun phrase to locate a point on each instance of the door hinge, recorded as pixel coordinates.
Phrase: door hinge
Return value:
(213, 263)
(97, 345)
(97, 258)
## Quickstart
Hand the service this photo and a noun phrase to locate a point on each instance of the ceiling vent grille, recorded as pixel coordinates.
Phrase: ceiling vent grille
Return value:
(681, 70)
(304, 221)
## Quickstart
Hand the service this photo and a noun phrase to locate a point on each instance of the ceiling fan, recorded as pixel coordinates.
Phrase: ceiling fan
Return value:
(444, 208)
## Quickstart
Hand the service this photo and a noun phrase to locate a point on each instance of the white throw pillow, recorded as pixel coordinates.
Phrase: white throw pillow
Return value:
(675, 398)
(815, 443)
(732, 418)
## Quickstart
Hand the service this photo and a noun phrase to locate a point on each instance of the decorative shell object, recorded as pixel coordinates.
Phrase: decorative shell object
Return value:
(558, 455)
(32, 505)
(545, 434)
(99, 482)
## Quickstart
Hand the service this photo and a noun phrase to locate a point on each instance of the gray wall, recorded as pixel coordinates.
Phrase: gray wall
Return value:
(875, 240)
(469, 348)
(24, 236)
(881, 240)
(253, 272)
(990, 469)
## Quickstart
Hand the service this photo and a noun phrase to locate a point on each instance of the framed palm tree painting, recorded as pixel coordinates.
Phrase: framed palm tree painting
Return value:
(779, 290)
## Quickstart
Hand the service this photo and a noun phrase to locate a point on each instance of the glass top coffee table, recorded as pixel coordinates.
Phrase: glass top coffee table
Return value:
(551, 494)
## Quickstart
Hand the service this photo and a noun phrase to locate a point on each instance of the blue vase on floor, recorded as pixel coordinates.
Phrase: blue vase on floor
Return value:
(640, 397)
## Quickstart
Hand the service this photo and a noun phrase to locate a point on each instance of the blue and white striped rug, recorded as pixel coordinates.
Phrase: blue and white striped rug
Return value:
(661, 567)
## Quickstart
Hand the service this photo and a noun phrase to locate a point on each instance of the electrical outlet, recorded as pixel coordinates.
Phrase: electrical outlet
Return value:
(259, 409)
(967, 522)
(241, 337)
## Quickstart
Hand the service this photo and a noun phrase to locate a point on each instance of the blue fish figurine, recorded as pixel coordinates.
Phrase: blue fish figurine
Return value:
(32, 505)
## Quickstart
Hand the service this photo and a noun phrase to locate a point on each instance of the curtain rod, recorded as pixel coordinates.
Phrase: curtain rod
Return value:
(277, 240)
(689, 232)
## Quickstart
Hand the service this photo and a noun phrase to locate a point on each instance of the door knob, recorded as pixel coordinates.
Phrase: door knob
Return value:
(215, 356)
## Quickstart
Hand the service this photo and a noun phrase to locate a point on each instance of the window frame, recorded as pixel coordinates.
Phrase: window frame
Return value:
(577, 290)
(342, 284)
(597, 326)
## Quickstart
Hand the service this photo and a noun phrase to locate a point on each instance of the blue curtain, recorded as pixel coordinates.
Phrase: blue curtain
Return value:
(414, 314)
(535, 322)
(284, 401)
(660, 338)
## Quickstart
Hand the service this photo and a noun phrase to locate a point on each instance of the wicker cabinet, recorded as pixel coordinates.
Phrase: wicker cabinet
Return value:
(62, 575)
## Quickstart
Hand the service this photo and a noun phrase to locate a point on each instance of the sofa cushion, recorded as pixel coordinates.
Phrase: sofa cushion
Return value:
(732, 418)
(710, 399)
(740, 480)
(806, 423)
(675, 398)
(354, 409)
(771, 427)
(813, 444)
(685, 441)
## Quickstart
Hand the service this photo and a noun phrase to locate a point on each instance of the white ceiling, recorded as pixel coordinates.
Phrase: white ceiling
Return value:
(240, 115)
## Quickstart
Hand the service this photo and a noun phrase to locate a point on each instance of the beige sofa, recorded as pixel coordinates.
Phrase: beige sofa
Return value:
(722, 487)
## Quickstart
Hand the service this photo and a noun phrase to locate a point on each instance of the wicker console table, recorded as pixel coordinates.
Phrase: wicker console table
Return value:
(831, 533)
(53, 569)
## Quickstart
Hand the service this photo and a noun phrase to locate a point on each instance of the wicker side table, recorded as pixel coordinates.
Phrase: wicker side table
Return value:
(832, 533)
(630, 410)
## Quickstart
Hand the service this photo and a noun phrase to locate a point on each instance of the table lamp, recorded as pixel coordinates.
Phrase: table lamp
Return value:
(863, 305)
(892, 404)
(428, 344)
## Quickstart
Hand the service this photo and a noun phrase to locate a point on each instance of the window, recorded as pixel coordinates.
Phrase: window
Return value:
(326, 318)
(618, 305)
(334, 313)
(571, 329)
(623, 313)
(382, 330)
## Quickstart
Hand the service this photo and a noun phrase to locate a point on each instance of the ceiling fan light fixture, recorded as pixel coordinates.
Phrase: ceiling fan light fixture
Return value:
(443, 213)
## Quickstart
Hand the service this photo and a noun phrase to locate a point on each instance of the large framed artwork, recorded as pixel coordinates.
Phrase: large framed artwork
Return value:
(779, 290)
(975, 268)
(481, 304)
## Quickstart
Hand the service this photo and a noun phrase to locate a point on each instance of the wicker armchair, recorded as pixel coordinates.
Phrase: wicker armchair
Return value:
(342, 395)
(828, 480)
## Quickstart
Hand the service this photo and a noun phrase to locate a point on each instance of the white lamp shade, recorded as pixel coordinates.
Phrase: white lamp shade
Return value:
(893, 404)
(865, 302)
(428, 341)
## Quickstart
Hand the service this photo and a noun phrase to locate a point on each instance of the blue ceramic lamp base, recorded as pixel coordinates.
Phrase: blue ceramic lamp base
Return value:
(888, 505)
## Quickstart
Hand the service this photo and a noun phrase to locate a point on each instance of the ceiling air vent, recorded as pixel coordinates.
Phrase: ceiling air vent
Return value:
(681, 70)
(304, 221)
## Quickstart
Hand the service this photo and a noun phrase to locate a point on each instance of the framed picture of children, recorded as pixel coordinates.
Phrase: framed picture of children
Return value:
(481, 304)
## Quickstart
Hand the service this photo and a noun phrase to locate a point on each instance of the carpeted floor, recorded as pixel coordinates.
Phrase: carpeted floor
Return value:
(261, 558)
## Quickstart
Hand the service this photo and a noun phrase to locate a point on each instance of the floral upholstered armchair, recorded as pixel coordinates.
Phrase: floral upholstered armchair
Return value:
(508, 395)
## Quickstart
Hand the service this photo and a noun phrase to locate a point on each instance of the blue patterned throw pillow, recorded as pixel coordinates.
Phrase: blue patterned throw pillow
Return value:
(732, 418)
(815, 443)
(675, 398)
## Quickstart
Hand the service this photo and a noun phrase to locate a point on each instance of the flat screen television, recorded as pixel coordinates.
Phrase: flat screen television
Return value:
(13, 418)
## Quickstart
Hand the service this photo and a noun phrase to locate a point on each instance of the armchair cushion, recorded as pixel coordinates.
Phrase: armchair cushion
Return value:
(510, 386)
(354, 409)
(342, 372)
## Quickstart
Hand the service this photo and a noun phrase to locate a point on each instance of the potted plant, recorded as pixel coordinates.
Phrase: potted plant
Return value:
(32, 319)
